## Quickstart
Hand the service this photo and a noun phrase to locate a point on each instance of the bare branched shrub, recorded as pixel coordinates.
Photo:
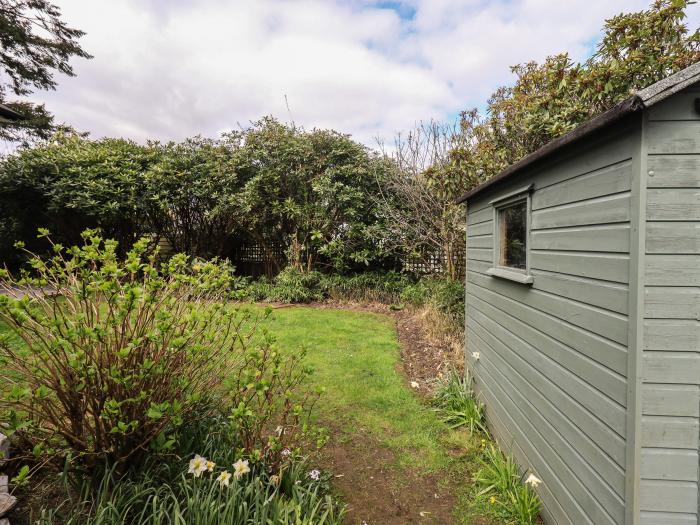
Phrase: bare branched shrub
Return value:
(417, 195)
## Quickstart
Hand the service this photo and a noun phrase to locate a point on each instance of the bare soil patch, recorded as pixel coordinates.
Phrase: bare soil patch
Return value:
(377, 492)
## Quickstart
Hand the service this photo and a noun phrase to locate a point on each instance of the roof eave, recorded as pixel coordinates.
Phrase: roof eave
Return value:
(642, 99)
(621, 110)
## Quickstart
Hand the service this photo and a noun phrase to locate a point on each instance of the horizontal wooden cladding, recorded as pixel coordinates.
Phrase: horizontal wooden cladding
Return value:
(480, 241)
(480, 254)
(612, 208)
(673, 204)
(680, 106)
(667, 518)
(600, 390)
(601, 322)
(558, 386)
(671, 400)
(670, 432)
(551, 509)
(673, 237)
(603, 294)
(674, 464)
(679, 137)
(603, 266)
(673, 171)
(672, 270)
(671, 367)
(670, 496)
(606, 238)
(482, 228)
(605, 181)
(604, 351)
(482, 215)
(543, 450)
(673, 334)
(672, 302)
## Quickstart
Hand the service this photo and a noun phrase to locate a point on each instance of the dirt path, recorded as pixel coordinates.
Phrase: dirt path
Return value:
(376, 490)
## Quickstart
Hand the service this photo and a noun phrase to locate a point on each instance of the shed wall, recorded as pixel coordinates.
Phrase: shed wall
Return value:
(553, 356)
(671, 364)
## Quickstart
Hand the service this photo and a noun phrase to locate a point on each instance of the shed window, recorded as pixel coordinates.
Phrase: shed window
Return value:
(512, 241)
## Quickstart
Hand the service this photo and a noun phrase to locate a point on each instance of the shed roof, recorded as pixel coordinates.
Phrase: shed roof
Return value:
(644, 98)
(9, 114)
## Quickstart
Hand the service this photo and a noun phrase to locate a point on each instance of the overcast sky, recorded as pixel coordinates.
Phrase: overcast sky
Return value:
(167, 69)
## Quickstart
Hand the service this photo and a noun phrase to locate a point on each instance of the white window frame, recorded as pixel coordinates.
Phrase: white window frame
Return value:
(518, 275)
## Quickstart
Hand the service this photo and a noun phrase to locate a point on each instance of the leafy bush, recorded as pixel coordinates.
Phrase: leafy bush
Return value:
(367, 287)
(167, 491)
(110, 357)
(445, 295)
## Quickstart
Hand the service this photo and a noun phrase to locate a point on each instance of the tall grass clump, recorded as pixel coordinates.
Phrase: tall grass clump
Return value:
(499, 488)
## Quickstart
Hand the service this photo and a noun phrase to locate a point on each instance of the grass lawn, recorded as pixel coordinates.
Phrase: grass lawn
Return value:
(386, 444)
(356, 356)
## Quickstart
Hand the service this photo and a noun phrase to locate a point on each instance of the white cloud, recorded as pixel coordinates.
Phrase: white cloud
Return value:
(170, 69)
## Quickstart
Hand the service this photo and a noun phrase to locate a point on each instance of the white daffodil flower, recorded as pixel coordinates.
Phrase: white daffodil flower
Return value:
(240, 467)
(224, 478)
(197, 465)
(533, 481)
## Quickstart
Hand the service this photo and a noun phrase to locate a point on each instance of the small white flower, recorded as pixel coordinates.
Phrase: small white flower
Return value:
(315, 474)
(533, 481)
(476, 355)
(210, 466)
(197, 465)
(240, 467)
(224, 478)
(286, 453)
(414, 384)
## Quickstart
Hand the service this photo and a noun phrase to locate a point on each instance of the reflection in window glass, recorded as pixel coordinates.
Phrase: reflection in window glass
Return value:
(512, 222)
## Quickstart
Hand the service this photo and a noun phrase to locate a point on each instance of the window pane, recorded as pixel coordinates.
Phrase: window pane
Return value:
(513, 225)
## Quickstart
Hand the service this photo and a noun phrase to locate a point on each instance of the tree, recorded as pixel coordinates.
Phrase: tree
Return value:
(34, 44)
(71, 183)
(191, 194)
(552, 98)
(308, 193)
(417, 196)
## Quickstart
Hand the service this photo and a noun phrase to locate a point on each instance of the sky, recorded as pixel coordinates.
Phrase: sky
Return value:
(169, 69)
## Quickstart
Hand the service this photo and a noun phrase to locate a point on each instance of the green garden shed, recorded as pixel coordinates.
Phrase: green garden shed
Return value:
(582, 308)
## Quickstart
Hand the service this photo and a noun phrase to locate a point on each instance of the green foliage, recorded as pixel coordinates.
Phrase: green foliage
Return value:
(457, 405)
(552, 98)
(163, 491)
(308, 192)
(34, 44)
(500, 484)
(445, 295)
(192, 195)
(70, 184)
(110, 357)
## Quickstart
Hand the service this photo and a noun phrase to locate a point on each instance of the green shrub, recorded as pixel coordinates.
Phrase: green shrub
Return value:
(445, 295)
(294, 286)
(109, 358)
(383, 287)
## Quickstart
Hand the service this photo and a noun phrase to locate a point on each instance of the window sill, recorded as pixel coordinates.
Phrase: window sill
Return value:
(511, 275)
